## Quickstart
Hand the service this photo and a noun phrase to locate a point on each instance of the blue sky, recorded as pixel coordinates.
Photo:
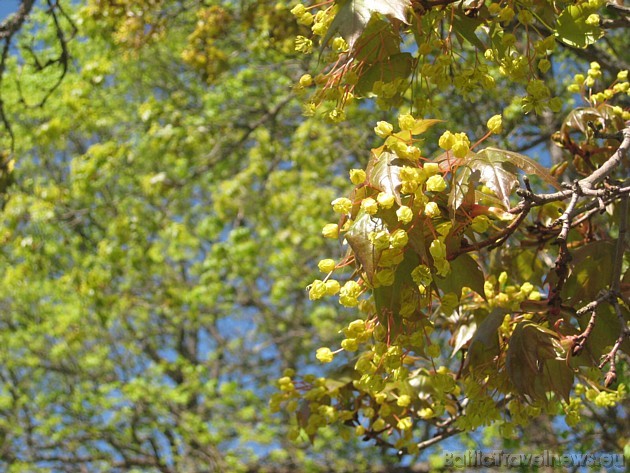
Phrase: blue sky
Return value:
(8, 7)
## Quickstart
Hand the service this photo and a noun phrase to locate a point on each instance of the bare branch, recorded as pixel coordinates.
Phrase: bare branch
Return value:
(12, 24)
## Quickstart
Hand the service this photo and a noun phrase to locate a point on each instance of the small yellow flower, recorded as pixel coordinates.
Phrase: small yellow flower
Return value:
(592, 20)
(380, 239)
(324, 354)
(317, 290)
(339, 44)
(357, 176)
(404, 214)
(404, 400)
(298, 10)
(438, 250)
(349, 293)
(399, 238)
(330, 230)
(306, 80)
(495, 124)
(326, 265)
(431, 169)
(342, 205)
(385, 200)
(306, 19)
(383, 129)
(332, 287)
(447, 140)
(436, 183)
(405, 423)
(303, 45)
(460, 149)
(369, 205)
(421, 275)
(406, 122)
(432, 210)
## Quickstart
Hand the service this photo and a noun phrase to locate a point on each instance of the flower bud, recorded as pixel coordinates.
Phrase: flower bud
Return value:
(330, 230)
(383, 129)
(404, 214)
(357, 176)
(495, 124)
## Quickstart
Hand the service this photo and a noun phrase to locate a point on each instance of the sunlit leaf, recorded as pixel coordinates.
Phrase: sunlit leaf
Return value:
(358, 239)
(423, 125)
(484, 345)
(528, 165)
(572, 28)
(464, 27)
(465, 272)
(586, 278)
(354, 15)
(398, 65)
(384, 173)
(462, 336)
(533, 364)
(494, 172)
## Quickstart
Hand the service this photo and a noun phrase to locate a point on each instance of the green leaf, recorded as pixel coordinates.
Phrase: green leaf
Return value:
(587, 278)
(423, 125)
(484, 345)
(465, 272)
(572, 29)
(463, 334)
(605, 331)
(378, 41)
(559, 378)
(533, 364)
(528, 165)
(493, 173)
(398, 65)
(602, 116)
(383, 173)
(354, 15)
(388, 298)
(463, 188)
(465, 26)
(358, 239)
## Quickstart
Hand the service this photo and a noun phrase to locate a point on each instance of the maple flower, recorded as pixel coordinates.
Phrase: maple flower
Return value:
(404, 214)
(317, 290)
(383, 129)
(399, 238)
(447, 140)
(431, 169)
(349, 293)
(324, 354)
(326, 265)
(330, 230)
(342, 205)
(303, 45)
(432, 210)
(406, 122)
(357, 176)
(332, 287)
(369, 205)
(436, 183)
(495, 124)
(385, 200)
